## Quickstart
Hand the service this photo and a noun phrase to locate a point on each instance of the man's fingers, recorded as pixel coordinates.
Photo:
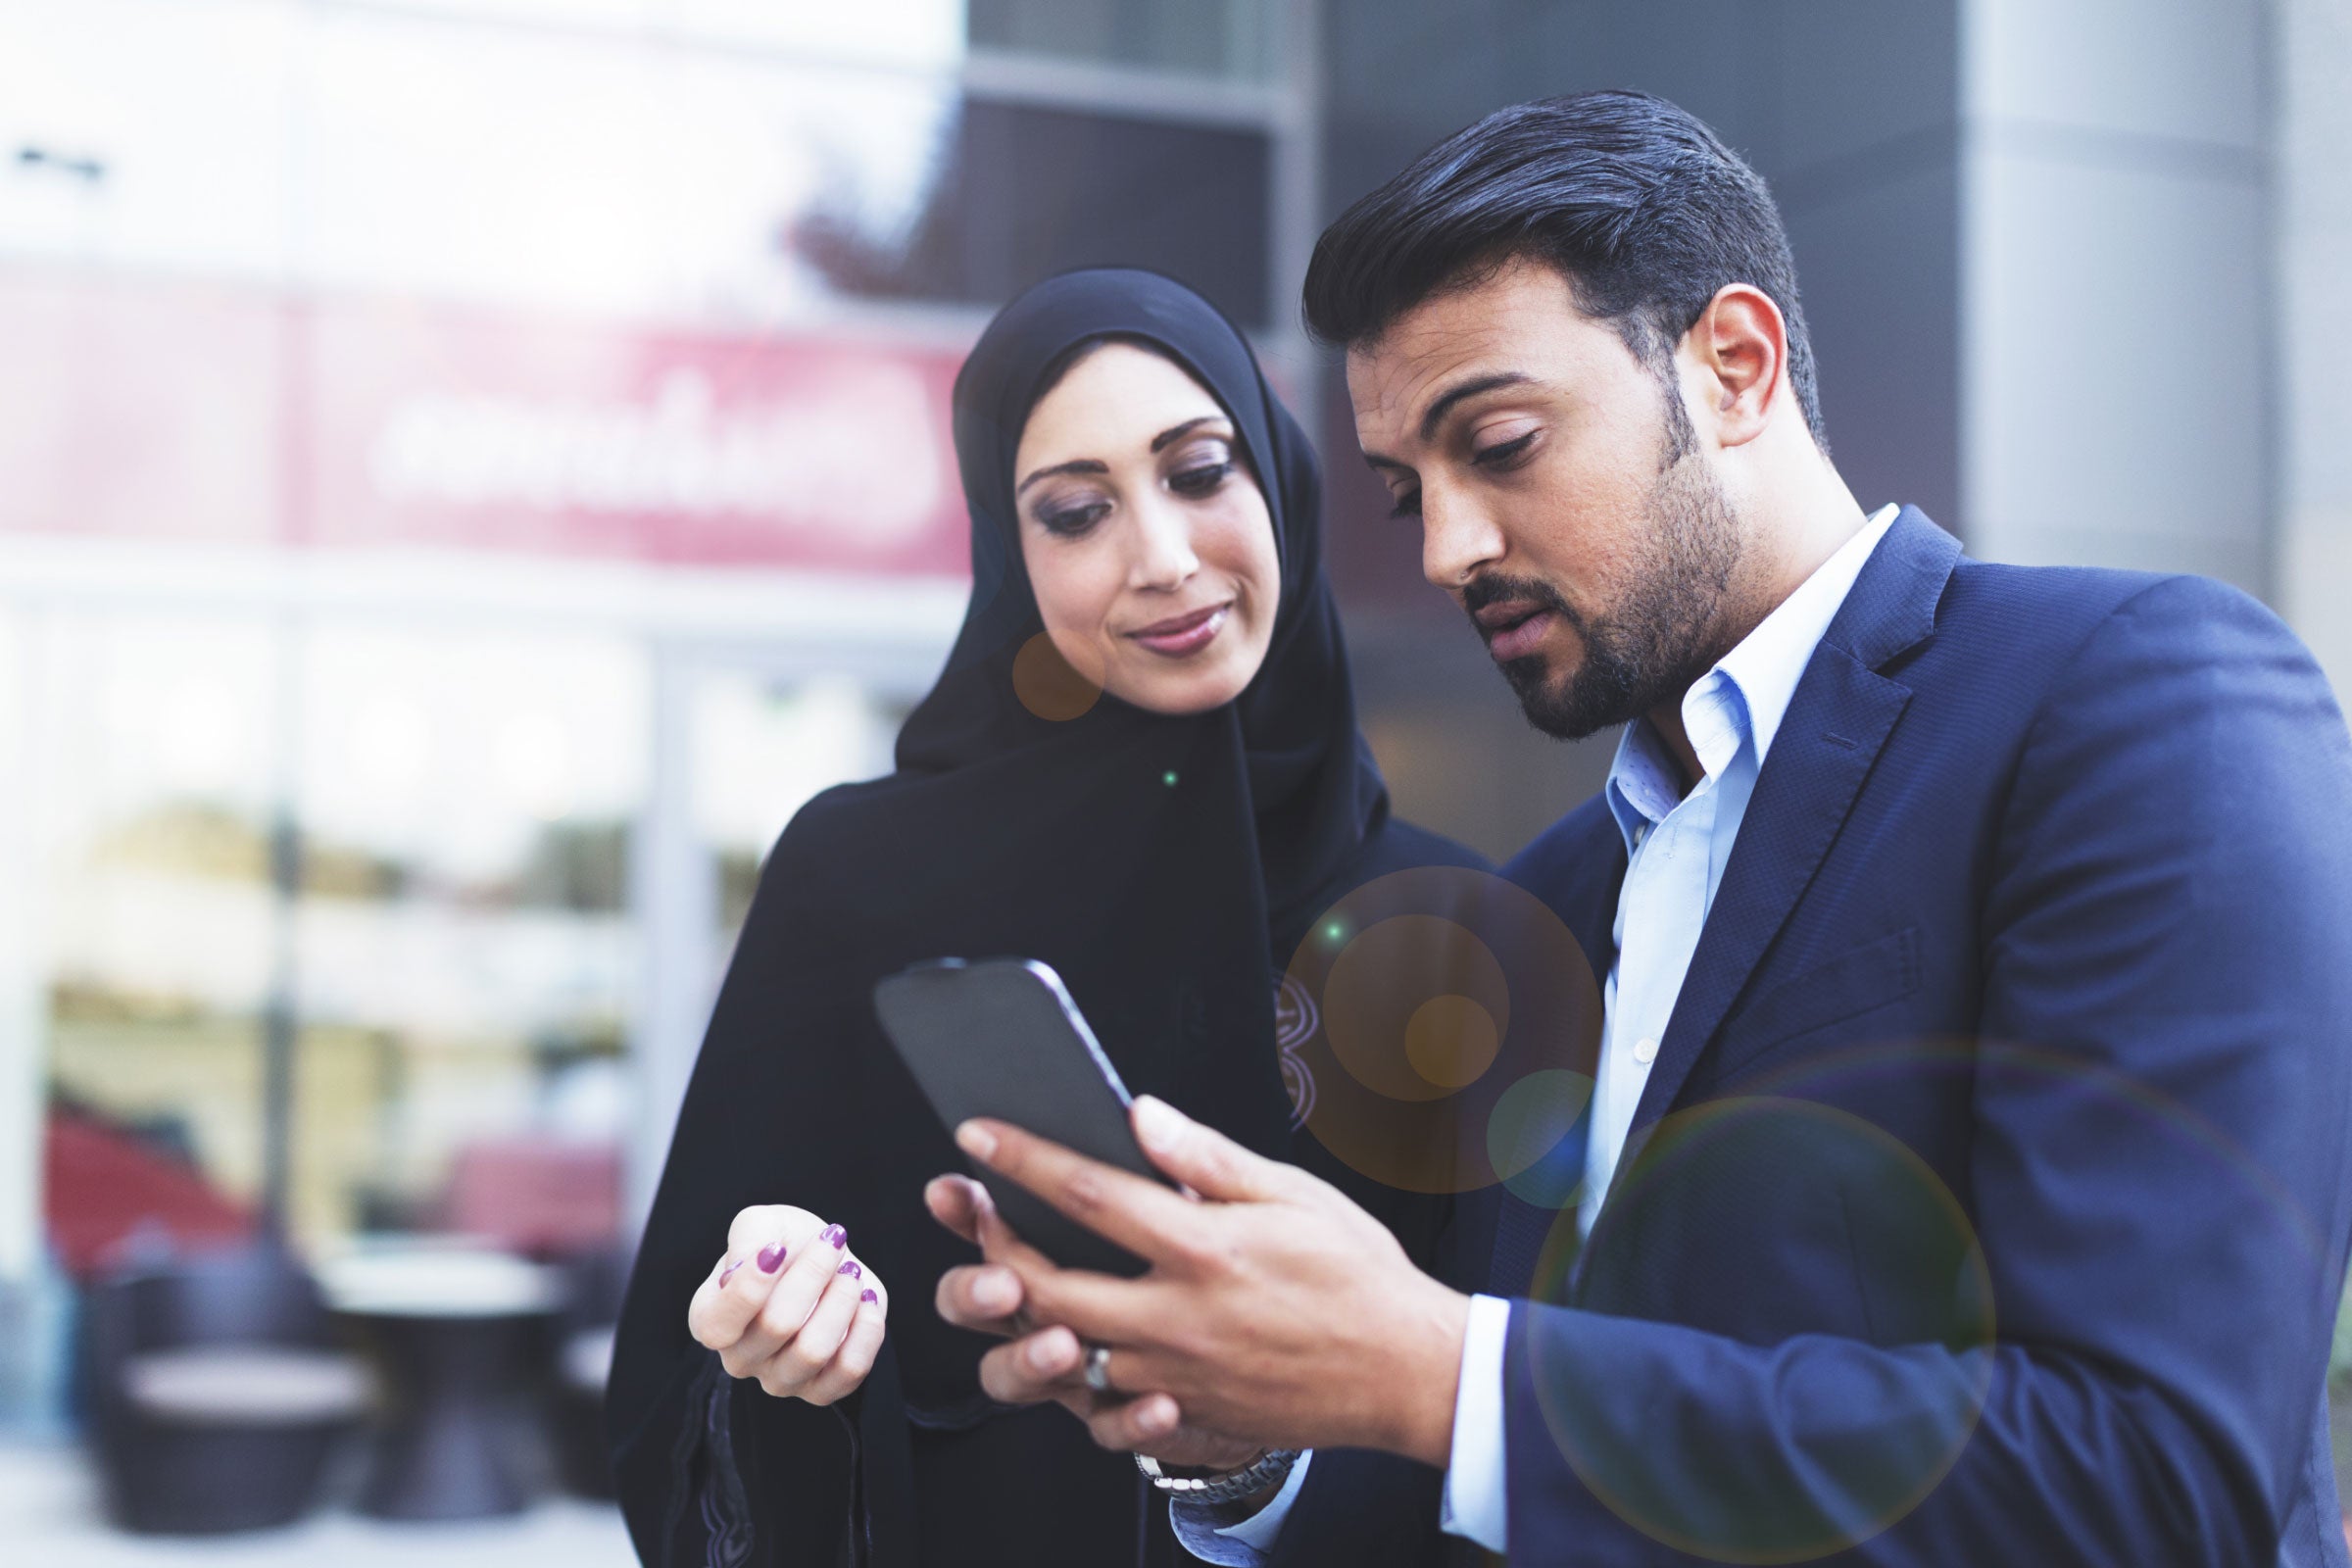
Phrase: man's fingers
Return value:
(1041, 1366)
(1136, 1424)
(956, 1202)
(1101, 1309)
(979, 1296)
(1205, 1159)
(1000, 1243)
(1140, 1216)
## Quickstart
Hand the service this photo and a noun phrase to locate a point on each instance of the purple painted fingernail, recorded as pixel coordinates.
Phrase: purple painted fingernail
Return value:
(772, 1257)
(867, 1296)
(852, 1269)
(728, 1272)
(839, 1236)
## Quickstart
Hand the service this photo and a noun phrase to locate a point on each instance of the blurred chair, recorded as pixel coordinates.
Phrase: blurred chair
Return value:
(543, 1197)
(109, 1192)
(214, 1391)
(594, 1284)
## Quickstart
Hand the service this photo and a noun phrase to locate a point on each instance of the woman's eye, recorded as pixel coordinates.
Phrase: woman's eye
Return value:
(1199, 480)
(1070, 521)
(1408, 505)
(1502, 453)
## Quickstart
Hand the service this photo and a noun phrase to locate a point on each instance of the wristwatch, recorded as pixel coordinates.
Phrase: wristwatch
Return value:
(1224, 1485)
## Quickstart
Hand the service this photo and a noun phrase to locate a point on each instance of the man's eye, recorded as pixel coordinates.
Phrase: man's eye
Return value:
(1503, 452)
(1070, 521)
(1408, 505)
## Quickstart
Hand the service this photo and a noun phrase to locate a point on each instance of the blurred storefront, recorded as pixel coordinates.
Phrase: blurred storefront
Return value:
(470, 469)
(469, 472)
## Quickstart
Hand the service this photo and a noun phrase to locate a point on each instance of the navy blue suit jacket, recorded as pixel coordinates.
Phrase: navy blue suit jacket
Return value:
(1989, 1196)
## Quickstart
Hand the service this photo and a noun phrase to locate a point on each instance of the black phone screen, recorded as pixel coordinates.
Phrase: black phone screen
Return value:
(1001, 1038)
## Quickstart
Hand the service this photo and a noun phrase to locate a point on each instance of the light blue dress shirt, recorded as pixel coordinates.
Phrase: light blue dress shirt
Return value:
(1676, 845)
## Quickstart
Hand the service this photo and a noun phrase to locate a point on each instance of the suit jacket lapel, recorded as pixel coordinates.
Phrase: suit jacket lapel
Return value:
(1585, 900)
(1840, 718)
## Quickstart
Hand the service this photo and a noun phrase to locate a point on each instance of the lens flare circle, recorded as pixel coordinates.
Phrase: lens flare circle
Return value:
(1379, 987)
(1745, 1174)
(1047, 683)
(1451, 1041)
(1438, 990)
(1534, 1137)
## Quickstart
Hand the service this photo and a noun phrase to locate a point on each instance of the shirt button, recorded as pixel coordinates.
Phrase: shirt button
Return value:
(1645, 1051)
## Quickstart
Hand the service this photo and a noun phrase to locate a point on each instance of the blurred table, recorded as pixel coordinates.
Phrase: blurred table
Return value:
(456, 1328)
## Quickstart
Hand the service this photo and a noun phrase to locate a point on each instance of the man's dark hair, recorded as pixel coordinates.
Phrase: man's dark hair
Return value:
(1631, 198)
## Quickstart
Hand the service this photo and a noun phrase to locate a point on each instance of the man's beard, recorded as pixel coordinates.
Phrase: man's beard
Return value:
(1663, 636)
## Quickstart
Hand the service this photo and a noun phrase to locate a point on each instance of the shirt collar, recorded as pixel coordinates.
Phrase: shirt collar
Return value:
(1745, 696)
(1770, 660)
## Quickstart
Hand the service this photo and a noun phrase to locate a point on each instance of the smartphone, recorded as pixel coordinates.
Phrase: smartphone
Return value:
(1001, 1038)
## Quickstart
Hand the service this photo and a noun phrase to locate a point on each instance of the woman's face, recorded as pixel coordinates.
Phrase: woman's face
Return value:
(1147, 541)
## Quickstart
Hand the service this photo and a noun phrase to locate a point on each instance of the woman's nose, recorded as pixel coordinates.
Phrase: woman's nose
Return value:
(1164, 548)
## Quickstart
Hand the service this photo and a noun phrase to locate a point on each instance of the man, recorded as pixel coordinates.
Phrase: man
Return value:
(1967, 1178)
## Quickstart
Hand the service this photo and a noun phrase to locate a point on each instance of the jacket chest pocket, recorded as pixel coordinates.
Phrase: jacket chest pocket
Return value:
(1860, 980)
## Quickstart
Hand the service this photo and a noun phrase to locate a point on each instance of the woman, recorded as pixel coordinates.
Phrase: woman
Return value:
(1145, 520)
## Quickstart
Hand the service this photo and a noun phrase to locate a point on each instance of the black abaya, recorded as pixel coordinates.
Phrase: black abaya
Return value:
(1166, 866)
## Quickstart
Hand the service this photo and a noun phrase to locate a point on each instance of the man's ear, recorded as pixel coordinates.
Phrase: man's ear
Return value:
(1740, 347)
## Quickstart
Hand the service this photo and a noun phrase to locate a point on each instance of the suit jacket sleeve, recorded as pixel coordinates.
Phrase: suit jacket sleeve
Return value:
(2159, 1169)
(1358, 1508)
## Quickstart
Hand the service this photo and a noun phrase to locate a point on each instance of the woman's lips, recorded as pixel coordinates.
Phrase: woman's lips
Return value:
(1182, 636)
(1521, 639)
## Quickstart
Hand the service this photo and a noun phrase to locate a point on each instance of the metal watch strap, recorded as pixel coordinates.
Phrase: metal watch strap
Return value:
(1266, 1470)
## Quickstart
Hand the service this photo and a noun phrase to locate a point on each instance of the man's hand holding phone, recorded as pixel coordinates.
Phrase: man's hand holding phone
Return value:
(1274, 1307)
(1233, 1294)
(1048, 1362)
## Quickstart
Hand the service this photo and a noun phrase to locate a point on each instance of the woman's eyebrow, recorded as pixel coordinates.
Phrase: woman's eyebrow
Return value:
(1159, 443)
(1176, 432)
(1074, 465)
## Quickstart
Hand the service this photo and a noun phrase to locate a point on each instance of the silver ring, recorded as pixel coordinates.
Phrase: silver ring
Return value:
(1097, 1368)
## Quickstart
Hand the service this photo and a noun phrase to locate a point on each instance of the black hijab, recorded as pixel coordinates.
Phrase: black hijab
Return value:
(1308, 787)
(1165, 866)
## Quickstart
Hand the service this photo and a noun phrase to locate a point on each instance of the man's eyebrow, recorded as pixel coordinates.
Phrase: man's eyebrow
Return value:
(1176, 432)
(1438, 409)
(1074, 465)
(1468, 389)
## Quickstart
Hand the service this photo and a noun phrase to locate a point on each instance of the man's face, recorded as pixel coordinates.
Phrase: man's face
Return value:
(1565, 500)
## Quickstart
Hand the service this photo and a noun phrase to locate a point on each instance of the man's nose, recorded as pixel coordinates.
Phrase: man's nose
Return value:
(1457, 541)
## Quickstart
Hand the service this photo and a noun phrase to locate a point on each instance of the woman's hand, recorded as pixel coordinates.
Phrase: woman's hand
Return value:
(1050, 1363)
(791, 1305)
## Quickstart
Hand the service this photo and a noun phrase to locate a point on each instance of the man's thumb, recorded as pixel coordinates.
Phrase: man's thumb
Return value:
(1203, 1159)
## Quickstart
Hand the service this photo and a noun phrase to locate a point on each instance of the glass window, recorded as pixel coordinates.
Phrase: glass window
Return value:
(591, 171)
(1028, 191)
(467, 965)
(153, 741)
(148, 158)
(1233, 39)
(761, 749)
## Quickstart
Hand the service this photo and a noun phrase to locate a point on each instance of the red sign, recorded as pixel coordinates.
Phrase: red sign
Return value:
(174, 410)
(150, 411)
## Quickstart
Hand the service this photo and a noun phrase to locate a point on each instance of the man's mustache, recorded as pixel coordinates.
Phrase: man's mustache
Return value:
(1494, 588)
